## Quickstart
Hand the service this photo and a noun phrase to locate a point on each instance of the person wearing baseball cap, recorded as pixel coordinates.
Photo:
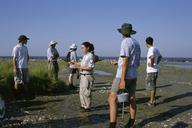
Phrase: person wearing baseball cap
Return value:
(20, 64)
(126, 76)
(52, 57)
(72, 59)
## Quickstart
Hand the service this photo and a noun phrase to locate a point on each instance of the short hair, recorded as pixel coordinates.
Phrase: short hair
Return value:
(149, 40)
(126, 35)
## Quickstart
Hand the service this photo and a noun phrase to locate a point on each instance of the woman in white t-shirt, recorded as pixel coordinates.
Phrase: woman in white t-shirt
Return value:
(86, 71)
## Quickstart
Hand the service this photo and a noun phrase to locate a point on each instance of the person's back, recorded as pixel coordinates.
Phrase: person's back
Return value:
(133, 47)
(153, 51)
(126, 76)
(153, 59)
(134, 59)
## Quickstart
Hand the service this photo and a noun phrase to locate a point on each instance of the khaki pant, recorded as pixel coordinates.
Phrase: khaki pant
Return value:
(53, 70)
(86, 83)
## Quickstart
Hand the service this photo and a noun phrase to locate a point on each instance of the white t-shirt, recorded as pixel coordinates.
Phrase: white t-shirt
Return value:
(20, 52)
(129, 48)
(73, 58)
(152, 51)
(87, 61)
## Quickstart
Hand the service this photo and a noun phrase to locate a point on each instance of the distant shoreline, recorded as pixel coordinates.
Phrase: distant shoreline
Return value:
(165, 59)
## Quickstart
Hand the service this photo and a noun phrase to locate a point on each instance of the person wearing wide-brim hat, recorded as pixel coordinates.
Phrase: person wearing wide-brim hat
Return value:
(72, 59)
(20, 64)
(126, 76)
(126, 29)
(52, 57)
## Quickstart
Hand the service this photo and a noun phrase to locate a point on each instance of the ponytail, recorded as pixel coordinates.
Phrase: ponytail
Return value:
(90, 46)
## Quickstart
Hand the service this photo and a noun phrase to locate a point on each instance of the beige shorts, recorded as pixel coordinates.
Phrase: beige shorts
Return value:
(130, 86)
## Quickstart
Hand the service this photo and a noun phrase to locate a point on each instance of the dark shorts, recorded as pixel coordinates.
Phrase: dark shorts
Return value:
(72, 70)
(130, 86)
(151, 81)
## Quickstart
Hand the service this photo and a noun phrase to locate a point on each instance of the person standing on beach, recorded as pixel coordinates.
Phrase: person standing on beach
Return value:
(20, 64)
(86, 68)
(52, 57)
(153, 59)
(126, 76)
(72, 59)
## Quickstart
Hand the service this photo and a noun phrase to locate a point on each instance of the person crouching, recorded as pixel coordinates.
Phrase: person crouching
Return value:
(86, 75)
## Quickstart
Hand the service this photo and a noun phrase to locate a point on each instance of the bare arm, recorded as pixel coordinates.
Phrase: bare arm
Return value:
(86, 68)
(159, 59)
(14, 65)
(124, 68)
(124, 72)
(78, 65)
(152, 61)
(114, 62)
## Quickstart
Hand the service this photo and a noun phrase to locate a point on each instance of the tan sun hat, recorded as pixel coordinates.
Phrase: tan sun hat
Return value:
(52, 43)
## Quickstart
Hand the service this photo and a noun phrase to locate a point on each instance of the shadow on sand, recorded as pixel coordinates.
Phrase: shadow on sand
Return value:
(163, 86)
(170, 113)
(75, 122)
(166, 115)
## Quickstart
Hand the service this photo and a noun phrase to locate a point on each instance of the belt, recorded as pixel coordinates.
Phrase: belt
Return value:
(86, 74)
(52, 61)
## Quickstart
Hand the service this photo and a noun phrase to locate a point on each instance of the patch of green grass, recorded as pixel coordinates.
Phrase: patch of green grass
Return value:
(39, 83)
(105, 66)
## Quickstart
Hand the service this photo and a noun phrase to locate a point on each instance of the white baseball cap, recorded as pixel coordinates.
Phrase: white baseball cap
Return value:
(73, 46)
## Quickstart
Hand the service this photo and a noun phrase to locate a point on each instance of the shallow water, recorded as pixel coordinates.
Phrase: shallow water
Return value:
(102, 73)
(183, 65)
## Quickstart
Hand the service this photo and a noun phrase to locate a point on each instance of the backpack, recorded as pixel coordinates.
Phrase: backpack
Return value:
(95, 58)
(68, 57)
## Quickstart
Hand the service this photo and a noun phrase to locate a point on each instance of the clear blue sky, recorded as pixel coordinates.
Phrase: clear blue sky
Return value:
(74, 21)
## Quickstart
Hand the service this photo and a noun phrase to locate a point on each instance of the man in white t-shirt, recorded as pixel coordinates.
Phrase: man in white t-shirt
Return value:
(153, 59)
(126, 76)
(20, 63)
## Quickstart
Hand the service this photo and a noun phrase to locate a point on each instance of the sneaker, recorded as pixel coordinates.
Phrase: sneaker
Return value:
(112, 125)
(151, 104)
(85, 109)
